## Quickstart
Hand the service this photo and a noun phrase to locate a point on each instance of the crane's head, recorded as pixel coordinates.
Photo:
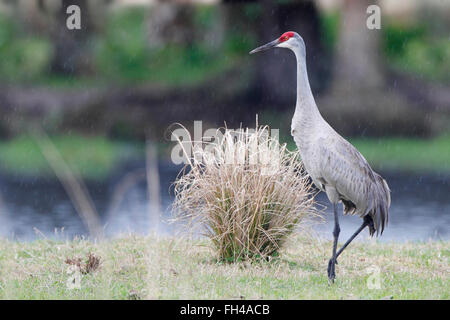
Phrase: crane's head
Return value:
(290, 40)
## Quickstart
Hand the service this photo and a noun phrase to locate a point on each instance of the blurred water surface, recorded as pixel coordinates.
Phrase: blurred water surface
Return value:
(37, 208)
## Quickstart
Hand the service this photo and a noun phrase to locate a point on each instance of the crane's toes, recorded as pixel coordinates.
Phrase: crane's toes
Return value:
(331, 270)
(330, 263)
(331, 276)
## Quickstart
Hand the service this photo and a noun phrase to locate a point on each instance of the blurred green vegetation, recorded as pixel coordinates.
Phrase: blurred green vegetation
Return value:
(416, 50)
(22, 58)
(93, 157)
(329, 29)
(124, 55)
(121, 52)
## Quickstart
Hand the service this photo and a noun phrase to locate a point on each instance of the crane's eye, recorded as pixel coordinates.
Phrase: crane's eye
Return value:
(284, 38)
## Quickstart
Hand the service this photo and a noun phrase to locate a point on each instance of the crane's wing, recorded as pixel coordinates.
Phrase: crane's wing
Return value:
(361, 190)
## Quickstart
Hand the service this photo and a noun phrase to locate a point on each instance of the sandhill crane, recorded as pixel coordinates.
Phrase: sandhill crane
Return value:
(335, 166)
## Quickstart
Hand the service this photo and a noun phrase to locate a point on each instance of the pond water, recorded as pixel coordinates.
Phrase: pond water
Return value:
(32, 208)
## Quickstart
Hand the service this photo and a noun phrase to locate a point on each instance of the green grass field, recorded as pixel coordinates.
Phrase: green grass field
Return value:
(155, 268)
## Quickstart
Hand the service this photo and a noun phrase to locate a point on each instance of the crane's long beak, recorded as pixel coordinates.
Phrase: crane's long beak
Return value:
(265, 47)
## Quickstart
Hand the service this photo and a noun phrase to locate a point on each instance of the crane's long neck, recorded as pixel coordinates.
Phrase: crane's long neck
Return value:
(306, 112)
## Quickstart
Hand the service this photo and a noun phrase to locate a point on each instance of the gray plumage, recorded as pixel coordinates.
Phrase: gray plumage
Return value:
(335, 166)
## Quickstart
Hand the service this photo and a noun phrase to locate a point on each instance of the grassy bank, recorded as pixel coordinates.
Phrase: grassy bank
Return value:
(406, 154)
(402, 154)
(93, 157)
(139, 268)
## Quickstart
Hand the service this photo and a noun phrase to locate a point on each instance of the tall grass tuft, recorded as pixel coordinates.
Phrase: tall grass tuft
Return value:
(244, 190)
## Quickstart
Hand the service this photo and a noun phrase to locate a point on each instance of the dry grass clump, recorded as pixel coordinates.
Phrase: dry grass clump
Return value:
(92, 263)
(245, 190)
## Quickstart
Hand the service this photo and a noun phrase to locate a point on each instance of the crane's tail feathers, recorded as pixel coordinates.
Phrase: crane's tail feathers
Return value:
(380, 209)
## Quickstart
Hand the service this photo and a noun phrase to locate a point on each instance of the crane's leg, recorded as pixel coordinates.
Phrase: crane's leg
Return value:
(337, 229)
(366, 222)
(361, 228)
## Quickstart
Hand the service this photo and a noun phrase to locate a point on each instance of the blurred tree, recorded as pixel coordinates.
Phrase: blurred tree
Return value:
(70, 54)
(357, 58)
(275, 76)
(172, 23)
(183, 24)
(48, 18)
(360, 99)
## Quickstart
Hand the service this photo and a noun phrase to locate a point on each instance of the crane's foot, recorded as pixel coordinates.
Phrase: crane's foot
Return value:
(330, 265)
(331, 270)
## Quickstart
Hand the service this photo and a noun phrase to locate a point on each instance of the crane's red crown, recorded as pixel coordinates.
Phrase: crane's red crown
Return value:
(286, 36)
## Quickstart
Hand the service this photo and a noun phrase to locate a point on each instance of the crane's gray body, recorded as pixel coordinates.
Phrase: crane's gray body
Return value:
(335, 166)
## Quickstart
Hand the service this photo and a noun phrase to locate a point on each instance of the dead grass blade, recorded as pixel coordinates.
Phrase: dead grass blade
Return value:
(72, 183)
